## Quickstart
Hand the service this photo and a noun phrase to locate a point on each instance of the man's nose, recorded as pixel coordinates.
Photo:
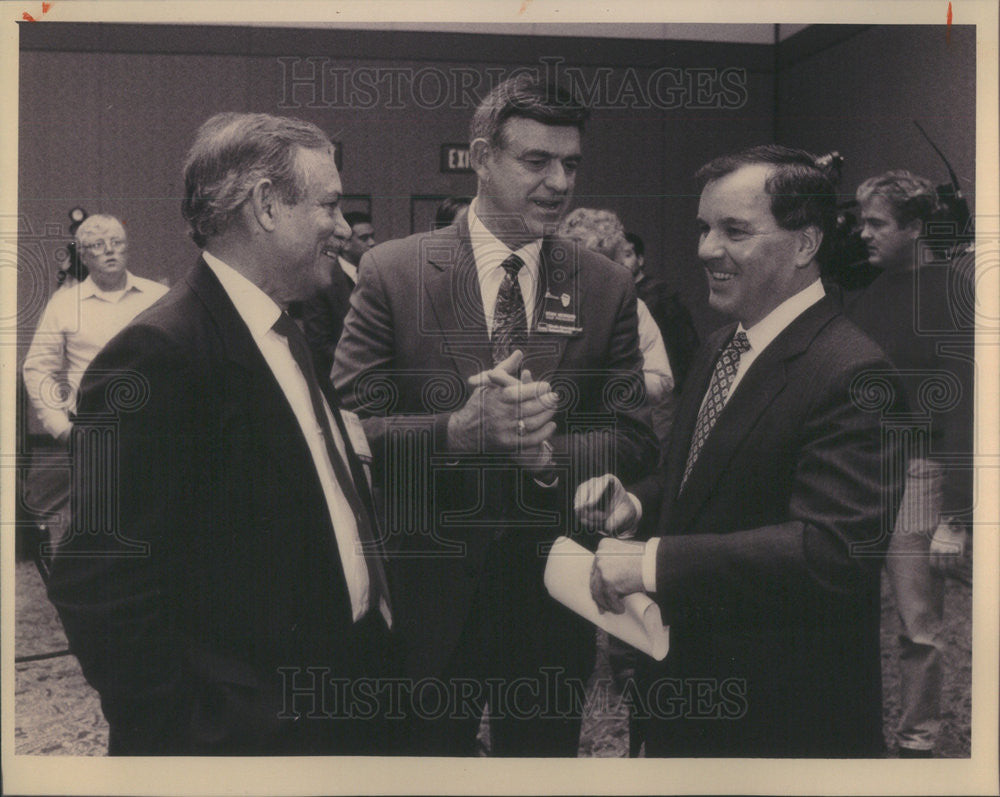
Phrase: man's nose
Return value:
(341, 228)
(709, 247)
(557, 178)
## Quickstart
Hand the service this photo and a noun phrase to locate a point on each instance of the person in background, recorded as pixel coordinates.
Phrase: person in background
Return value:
(322, 315)
(451, 210)
(495, 366)
(920, 311)
(601, 231)
(665, 305)
(226, 571)
(79, 320)
(769, 521)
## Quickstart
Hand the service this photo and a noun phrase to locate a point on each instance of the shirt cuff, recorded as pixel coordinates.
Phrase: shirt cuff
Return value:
(56, 423)
(649, 564)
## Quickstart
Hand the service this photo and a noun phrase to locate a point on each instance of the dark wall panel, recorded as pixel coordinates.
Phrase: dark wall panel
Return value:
(107, 112)
(861, 95)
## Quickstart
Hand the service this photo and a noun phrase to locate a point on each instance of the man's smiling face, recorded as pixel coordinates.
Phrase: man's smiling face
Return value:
(749, 259)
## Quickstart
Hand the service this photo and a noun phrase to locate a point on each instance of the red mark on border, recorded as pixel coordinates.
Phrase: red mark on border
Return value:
(28, 18)
(524, 6)
(947, 35)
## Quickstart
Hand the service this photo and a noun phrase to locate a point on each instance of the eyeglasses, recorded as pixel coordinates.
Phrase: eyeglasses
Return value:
(94, 247)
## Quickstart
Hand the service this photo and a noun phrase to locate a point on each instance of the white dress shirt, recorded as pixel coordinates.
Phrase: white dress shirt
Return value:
(490, 253)
(760, 335)
(348, 268)
(78, 322)
(259, 312)
(655, 363)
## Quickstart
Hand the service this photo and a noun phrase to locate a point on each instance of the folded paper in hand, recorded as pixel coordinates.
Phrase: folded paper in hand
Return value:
(567, 578)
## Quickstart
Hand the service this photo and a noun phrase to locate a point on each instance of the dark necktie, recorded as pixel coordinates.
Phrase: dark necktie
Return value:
(510, 323)
(377, 584)
(722, 380)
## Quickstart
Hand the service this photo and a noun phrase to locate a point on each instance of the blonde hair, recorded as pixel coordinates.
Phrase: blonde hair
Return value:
(598, 230)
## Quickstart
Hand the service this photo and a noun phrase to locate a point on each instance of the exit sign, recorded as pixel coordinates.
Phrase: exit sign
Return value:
(455, 158)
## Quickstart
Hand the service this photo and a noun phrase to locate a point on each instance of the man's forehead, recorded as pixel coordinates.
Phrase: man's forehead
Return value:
(877, 206)
(739, 193)
(523, 134)
(320, 168)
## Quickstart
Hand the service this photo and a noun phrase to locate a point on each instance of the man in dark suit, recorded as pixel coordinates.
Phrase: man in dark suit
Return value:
(775, 508)
(323, 313)
(495, 368)
(223, 574)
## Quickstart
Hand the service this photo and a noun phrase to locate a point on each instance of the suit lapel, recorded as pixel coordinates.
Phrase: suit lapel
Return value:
(252, 389)
(238, 345)
(451, 285)
(558, 275)
(687, 414)
(761, 384)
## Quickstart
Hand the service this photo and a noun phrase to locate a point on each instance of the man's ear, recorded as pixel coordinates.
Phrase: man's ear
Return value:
(809, 240)
(480, 152)
(263, 204)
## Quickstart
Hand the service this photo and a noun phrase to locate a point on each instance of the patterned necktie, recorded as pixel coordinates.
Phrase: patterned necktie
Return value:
(510, 323)
(377, 585)
(722, 379)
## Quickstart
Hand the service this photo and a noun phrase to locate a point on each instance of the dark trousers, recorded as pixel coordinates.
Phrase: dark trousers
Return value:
(342, 706)
(520, 654)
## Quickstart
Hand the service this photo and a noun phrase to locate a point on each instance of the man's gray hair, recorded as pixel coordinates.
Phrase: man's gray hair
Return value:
(231, 153)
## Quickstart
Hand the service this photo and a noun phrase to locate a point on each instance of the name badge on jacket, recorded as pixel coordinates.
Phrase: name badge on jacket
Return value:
(559, 315)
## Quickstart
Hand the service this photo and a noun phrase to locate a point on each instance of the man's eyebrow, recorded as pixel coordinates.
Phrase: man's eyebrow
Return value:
(542, 153)
(735, 220)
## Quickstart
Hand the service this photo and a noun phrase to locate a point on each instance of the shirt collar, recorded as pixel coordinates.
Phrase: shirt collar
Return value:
(89, 288)
(348, 268)
(774, 323)
(258, 310)
(490, 251)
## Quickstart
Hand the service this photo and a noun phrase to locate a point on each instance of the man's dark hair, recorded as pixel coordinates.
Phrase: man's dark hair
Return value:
(357, 217)
(525, 96)
(448, 210)
(637, 244)
(802, 193)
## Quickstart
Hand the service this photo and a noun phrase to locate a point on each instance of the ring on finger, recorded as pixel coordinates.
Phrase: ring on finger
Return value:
(521, 429)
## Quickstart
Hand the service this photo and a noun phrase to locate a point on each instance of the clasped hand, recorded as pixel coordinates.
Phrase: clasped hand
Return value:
(602, 504)
(505, 413)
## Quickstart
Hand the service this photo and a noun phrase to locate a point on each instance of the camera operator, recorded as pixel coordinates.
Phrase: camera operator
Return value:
(913, 310)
